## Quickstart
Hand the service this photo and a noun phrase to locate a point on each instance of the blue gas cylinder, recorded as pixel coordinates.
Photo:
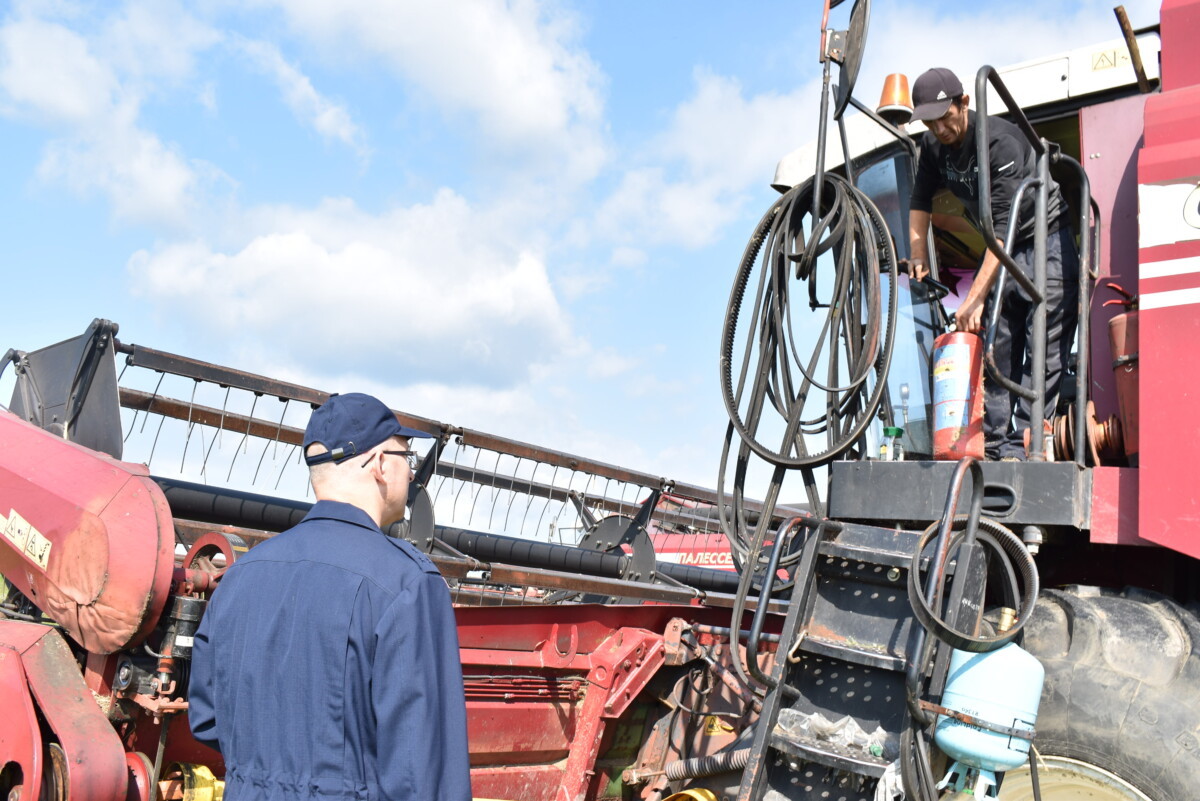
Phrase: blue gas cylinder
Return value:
(1002, 687)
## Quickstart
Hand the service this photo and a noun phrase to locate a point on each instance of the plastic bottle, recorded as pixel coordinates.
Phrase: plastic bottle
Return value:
(890, 450)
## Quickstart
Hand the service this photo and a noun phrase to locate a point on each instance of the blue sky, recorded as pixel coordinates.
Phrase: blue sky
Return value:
(517, 217)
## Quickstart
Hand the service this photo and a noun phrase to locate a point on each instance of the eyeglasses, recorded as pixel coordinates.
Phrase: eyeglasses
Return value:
(411, 456)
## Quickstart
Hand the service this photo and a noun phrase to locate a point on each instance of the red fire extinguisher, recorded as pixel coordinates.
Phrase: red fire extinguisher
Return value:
(957, 396)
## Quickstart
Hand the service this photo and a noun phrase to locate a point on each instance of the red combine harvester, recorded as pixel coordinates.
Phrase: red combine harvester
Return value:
(860, 645)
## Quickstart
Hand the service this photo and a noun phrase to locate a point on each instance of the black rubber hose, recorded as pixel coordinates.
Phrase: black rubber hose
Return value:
(1009, 548)
(858, 237)
(774, 379)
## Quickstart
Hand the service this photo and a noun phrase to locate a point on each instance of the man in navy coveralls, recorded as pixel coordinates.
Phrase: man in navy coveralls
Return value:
(326, 665)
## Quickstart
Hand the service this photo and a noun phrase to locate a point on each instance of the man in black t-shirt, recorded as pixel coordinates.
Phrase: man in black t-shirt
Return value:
(948, 160)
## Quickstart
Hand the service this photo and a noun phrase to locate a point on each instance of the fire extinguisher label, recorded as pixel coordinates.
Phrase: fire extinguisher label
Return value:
(952, 373)
(952, 414)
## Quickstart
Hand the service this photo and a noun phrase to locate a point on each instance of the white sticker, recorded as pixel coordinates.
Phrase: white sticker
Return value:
(37, 548)
(27, 539)
(17, 528)
(184, 641)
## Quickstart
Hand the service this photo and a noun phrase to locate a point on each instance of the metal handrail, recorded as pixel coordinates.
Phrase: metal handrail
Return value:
(1036, 288)
(983, 151)
(918, 656)
(989, 340)
(1087, 207)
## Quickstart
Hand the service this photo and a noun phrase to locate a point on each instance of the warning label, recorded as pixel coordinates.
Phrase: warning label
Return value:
(27, 539)
(1108, 59)
(713, 725)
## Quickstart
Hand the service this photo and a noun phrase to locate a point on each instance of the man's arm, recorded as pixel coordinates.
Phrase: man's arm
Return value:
(417, 691)
(918, 233)
(969, 316)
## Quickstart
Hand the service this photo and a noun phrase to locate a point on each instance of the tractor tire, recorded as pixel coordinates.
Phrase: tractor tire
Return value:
(1120, 711)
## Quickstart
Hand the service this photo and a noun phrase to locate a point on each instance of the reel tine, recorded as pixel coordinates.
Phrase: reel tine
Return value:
(245, 436)
(553, 479)
(217, 436)
(283, 465)
(161, 376)
(267, 445)
(190, 424)
(512, 492)
(495, 488)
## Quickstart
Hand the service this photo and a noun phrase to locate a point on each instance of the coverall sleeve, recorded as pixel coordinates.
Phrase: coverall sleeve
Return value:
(417, 692)
(201, 696)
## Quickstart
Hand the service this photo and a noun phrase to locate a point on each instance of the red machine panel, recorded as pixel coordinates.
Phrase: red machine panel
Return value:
(1111, 135)
(88, 539)
(1169, 288)
(87, 763)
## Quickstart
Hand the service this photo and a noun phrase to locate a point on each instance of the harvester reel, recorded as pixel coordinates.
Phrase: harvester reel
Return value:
(607, 536)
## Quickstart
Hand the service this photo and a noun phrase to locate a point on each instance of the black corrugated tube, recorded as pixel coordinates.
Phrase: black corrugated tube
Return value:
(709, 765)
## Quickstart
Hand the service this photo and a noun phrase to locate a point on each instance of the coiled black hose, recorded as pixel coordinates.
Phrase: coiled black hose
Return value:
(835, 390)
(1013, 558)
(831, 394)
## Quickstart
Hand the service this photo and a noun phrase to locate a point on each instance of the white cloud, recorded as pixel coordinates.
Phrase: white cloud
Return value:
(719, 144)
(207, 97)
(516, 67)
(144, 179)
(310, 107)
(608, 363)
(100, 146)
(72, 88)
(155, 42)
(425, 292)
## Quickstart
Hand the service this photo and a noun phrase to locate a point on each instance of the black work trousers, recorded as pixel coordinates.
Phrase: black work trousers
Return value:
(1006, 417)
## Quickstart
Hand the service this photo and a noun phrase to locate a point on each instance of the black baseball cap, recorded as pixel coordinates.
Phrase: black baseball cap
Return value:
(933, 93)
(350, 424)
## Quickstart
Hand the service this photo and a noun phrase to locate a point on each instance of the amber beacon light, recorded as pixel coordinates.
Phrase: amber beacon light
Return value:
(895, 103)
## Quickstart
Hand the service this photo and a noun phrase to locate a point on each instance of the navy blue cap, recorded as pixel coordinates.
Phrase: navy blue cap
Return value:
(933, 93)
(350, 424)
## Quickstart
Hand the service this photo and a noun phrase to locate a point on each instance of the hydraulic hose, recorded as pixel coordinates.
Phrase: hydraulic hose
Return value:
(775, 389)
(854, 230)
(787, 384)
(1013, 558)
(1009, 548)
